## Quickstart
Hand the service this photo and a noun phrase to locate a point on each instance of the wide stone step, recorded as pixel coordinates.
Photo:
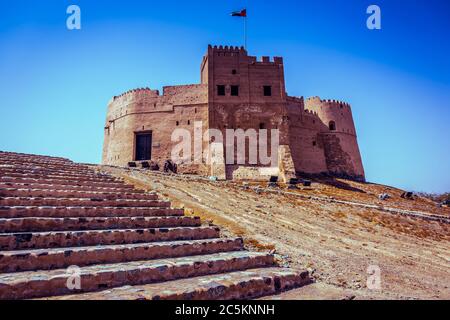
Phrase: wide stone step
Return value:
(56, 167)
(55, 193)
(92, 211)
(239, 285)
(76, 178)
(37, 284)
(38, 160)
(60, 239)
(5, 168)
(35, 186)
(35, 160)
(37, 166)
(62, 182)
(60, 174)
(98, 223)
(69, 202)
(21, 154)
(47, 259)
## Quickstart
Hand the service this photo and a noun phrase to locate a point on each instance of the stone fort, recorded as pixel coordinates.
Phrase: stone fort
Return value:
(236, 91)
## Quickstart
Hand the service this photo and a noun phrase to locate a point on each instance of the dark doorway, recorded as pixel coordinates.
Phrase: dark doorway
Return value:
(143, 146)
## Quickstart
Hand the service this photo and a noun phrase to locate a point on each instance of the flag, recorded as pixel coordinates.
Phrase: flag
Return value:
(242, 13)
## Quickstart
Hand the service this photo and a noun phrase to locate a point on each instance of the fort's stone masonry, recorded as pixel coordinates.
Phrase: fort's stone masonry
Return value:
(237, 91)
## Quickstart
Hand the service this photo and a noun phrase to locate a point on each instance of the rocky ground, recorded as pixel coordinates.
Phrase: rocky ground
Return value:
(336, 241)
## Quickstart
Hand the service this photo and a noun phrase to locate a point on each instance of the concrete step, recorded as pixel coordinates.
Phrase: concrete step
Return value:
(49, 167)
(23, 180)
(55, 193)
(69, 202)
(77, 224)
(47, 259)
(39, 160)
(34, 159)
(238, 285)
(76, 178)
(62, 239)
(35, 186)
(36, 166)
(92, 211)
(19, 154)
(59, 173)
(37, 284)
(46, 166)
(23, 165)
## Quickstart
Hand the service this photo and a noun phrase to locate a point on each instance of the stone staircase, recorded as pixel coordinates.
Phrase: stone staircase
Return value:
(126, 243)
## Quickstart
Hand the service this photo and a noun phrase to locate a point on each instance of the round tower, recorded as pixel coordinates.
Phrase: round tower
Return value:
(339, 136)
(122, 120)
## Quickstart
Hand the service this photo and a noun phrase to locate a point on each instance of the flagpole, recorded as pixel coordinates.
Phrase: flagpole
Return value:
(245, 33)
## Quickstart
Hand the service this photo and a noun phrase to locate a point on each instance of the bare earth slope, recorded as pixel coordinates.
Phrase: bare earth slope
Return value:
(337, 241)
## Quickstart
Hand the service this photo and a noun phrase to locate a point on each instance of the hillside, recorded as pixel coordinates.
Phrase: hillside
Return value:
(336, 229)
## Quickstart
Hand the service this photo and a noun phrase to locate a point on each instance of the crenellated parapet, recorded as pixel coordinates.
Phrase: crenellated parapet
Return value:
(231, 51)
(292, 99)
(227, 48)
(138, 91)
(144, 100)
(317, 101)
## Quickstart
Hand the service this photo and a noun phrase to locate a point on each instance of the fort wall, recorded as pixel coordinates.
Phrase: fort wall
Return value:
(305, 139)
(145, 111)
(249, 108)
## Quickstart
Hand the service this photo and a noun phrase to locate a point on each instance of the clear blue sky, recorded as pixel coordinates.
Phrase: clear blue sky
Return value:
(55, 83)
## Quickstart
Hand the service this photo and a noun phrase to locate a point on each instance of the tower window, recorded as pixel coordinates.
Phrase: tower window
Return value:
(332, 126)
(178, 123)
(235, 91)
(233, 71)
(267, 91)
(220, 90)
(314, 143)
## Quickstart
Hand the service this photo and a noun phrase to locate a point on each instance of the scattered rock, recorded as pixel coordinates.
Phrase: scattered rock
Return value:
(384, 196)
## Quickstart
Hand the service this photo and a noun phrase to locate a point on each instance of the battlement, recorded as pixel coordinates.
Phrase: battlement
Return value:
(226, 48)
(295, 99)
(265, 60)
(232, 51)
(329, 102)
(167, 91)
(138, 90)
(311, 112)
